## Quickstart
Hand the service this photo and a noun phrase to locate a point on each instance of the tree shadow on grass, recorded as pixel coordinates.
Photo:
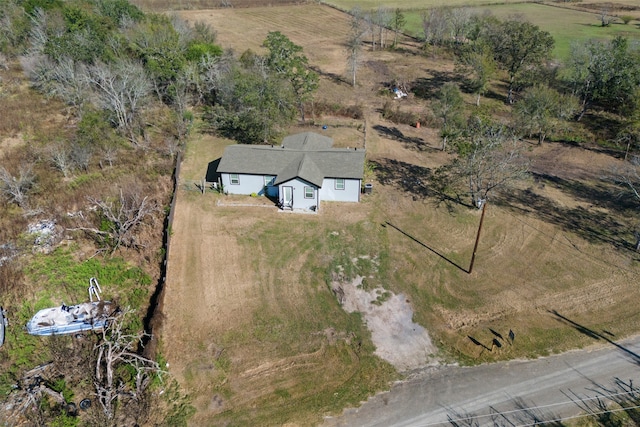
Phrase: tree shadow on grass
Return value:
(594, 223)
(428, 87)
(418, 181)
(635, 358)
(336, 78)
(412, 143)
(604, 127)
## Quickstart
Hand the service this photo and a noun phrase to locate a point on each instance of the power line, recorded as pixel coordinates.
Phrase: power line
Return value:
(542, 407)
(608, 411)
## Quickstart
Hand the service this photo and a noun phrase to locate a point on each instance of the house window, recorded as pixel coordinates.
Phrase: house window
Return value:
(234, 178)
(308, 192)
(339, 183)
(268, 179)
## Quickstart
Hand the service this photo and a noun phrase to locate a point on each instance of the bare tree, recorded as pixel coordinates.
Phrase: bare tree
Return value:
(435, 26)
(354, 43)
(63, 78)
(122, 88)
(118, 348)
(60, 158)
(490, 157)
(110, 154)
(605, 18)
(16, 188)
(121, 219)
(459, 19)
(38, 36)
(383, 21)
(210, 73)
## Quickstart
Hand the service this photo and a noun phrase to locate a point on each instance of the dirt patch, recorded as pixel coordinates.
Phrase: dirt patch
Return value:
(398, 340)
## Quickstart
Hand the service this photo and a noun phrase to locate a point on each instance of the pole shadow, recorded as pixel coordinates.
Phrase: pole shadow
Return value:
(425, 246)
(595, 335)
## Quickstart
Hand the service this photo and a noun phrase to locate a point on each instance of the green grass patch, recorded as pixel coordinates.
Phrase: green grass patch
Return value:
(65, 279)
(84, 179)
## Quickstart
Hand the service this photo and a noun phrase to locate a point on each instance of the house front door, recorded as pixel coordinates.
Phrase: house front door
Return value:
(287, 197)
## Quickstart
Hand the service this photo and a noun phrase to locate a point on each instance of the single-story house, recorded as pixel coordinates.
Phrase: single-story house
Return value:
(300, 173)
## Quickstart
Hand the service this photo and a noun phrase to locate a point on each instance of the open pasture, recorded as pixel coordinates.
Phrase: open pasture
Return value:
(566, 25)
(318, 28)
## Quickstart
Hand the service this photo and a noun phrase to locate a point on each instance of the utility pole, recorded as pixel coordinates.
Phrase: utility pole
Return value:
(475, 247)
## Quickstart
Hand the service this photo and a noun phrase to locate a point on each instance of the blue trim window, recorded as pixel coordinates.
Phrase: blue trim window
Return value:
(268, 179)
(308, 193)
(234, 178)
(339, 183)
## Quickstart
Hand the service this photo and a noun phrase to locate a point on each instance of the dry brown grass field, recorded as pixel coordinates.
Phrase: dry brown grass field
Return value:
(252, 329)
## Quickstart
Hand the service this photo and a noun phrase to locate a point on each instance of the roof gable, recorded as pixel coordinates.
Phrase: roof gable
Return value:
(303, 167)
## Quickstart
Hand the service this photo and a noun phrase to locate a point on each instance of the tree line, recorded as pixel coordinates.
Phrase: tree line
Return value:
(545, 96)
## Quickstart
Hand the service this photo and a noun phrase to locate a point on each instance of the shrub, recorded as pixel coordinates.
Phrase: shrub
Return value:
(395, 115)
(626, 19)
(335, 109)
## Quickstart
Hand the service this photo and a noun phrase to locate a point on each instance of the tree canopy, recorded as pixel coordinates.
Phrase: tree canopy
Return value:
(286, 59)
(517, 46)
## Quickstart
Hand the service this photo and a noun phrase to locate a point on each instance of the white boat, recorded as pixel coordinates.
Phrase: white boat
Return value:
(71, 319)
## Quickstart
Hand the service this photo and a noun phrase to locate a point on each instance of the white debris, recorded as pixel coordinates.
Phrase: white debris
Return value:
(44, 235)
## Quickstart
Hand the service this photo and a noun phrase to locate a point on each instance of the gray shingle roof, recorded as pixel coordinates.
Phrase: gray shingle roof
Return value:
(307, 141)
(303, 167)
(306, 156)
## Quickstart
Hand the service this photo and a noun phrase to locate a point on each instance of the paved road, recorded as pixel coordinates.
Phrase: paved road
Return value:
(547, 387)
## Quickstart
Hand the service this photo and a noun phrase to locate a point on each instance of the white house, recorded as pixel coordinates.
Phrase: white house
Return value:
(299, 174)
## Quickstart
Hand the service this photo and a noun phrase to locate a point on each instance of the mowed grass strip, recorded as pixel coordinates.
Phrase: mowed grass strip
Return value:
(317, 28)
(525, 271)
(298, 355)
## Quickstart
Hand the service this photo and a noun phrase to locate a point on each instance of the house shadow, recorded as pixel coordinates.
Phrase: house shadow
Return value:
(212, 175)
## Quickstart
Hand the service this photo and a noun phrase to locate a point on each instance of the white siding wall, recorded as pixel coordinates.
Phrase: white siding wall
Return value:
(299, 202)
(351, 192)
(248, 184)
